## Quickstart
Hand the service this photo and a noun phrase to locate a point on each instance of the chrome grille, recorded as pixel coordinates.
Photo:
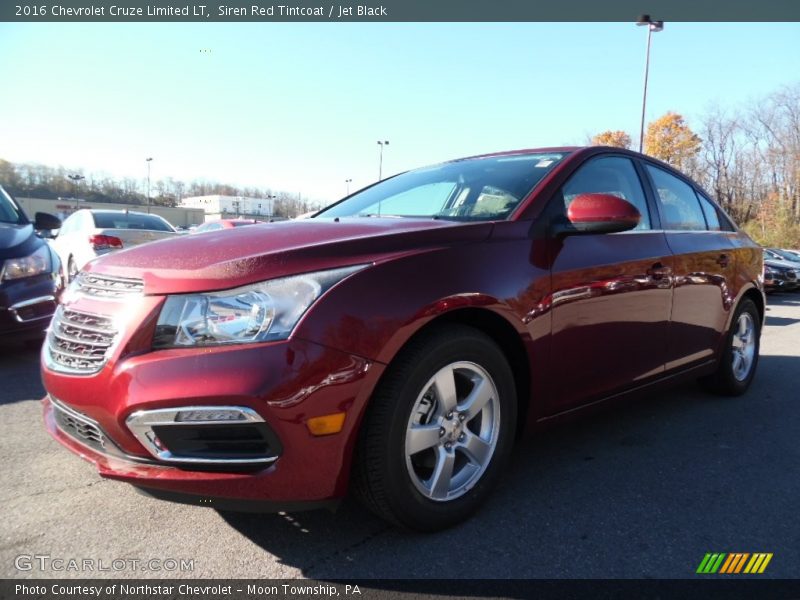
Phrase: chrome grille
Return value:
(79, 342)
(78, 426)
(107, 286)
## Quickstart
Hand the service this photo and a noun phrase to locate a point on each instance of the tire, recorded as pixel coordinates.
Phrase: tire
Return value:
(413, 430)
(737, 365)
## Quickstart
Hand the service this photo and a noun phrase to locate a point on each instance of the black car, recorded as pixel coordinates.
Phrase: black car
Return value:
(780, 275)
(30, 272)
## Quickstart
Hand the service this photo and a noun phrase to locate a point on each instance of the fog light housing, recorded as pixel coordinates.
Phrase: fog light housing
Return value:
(206, 435)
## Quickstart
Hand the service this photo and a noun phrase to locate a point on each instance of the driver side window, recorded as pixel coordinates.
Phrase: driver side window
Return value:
(614, 175)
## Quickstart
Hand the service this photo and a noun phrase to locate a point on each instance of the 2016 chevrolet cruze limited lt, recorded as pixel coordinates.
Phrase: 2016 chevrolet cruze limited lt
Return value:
(399, 341)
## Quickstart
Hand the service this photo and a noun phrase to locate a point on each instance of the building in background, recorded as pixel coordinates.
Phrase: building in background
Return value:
(64, 207)
(224, 207)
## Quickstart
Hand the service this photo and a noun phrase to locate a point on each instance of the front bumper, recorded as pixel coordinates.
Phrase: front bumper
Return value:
(27, 305)
(286, 383)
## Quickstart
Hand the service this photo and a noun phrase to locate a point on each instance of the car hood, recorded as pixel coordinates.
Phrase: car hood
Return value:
(17, 240)
(235, 257)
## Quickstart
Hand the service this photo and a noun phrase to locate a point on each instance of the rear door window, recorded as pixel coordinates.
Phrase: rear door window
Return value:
(710, 212)
(680, 208)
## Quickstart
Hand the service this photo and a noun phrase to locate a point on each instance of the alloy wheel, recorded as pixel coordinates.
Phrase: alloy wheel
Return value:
(452, 432)
(743, 346)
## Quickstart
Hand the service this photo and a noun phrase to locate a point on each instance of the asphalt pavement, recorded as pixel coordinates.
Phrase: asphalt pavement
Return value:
(641, 490)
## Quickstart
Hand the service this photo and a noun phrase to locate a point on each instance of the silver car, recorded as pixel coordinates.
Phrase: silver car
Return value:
(87, 234)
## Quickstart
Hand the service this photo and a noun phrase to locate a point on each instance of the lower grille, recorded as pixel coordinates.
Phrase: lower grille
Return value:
(79, 342)
(79, 427)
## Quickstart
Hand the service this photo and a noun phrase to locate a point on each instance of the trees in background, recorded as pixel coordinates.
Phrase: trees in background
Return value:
(749, 159)
(617, 139)
(670, 139)
(39, 181)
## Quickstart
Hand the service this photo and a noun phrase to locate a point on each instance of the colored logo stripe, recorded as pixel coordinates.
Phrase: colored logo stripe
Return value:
(710, 563)
(734, 562)
(758, 563)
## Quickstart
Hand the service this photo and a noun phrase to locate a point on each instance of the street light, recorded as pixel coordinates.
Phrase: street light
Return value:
(380, 163)
(270, 200)
(148, 161)
(347, 184)
(652, 26)
(75, 180)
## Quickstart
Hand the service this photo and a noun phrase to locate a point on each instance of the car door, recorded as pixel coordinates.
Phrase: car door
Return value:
(611, 293)
(704, 268)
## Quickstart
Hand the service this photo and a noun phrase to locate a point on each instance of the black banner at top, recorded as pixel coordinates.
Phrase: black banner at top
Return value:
(207, 11)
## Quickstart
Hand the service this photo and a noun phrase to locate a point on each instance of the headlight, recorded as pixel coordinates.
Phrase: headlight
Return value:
(254, 313)
(27, 266)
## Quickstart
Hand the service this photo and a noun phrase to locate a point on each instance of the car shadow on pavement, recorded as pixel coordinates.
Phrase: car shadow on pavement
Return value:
(605, 496)
(780, 321)
(783, 299)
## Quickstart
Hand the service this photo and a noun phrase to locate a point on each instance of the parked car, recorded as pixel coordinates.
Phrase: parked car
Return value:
(783, 275)
(791, 254)
(30, 272)
(87, 234)
(225, 224)
(780, 254)
(401, 339)
(775, 279)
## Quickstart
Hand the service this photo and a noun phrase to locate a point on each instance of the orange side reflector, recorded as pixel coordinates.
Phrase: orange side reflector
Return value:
(326, 424)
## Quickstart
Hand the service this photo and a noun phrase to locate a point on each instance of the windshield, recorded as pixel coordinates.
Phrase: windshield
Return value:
(121, 220)
(478, 189)
(9, 213)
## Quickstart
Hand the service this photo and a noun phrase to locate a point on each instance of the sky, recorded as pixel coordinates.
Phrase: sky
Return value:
(299, 107)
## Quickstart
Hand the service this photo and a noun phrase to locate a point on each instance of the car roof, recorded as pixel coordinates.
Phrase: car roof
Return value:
(523, 152)
(108, 211)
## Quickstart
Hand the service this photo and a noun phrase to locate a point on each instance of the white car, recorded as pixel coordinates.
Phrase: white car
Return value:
(87, 234)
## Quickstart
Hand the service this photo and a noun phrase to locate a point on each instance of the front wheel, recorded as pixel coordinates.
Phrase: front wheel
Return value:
(739, 359)
(439, 430)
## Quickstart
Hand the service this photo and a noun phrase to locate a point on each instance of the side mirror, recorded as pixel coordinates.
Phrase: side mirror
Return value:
(46, 221)
(599, 213)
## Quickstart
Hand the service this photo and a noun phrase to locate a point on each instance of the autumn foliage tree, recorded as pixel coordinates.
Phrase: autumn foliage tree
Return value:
(617, 139)
(670, 139)
(775, 224)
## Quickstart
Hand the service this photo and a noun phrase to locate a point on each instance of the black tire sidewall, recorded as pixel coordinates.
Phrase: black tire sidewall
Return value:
(407, 503)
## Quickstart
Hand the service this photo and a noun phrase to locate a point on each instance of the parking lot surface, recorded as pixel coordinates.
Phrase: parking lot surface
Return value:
(641, 490)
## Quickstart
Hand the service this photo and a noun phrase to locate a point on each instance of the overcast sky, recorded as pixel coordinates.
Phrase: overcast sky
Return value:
(300, 107)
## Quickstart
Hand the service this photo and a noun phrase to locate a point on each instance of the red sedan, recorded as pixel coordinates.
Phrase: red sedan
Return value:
(401, 339)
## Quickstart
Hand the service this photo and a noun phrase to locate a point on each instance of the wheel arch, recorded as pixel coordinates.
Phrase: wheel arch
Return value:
(756, 295)
(503, 333)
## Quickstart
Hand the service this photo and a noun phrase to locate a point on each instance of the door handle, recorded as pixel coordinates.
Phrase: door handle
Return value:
(659, 271)
(723, 260)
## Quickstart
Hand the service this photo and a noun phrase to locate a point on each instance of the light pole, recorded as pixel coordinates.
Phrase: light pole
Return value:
(652, 26)
(75, 179)
(270, 200)
(347, 185)
(148, 161)
(380, 161)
